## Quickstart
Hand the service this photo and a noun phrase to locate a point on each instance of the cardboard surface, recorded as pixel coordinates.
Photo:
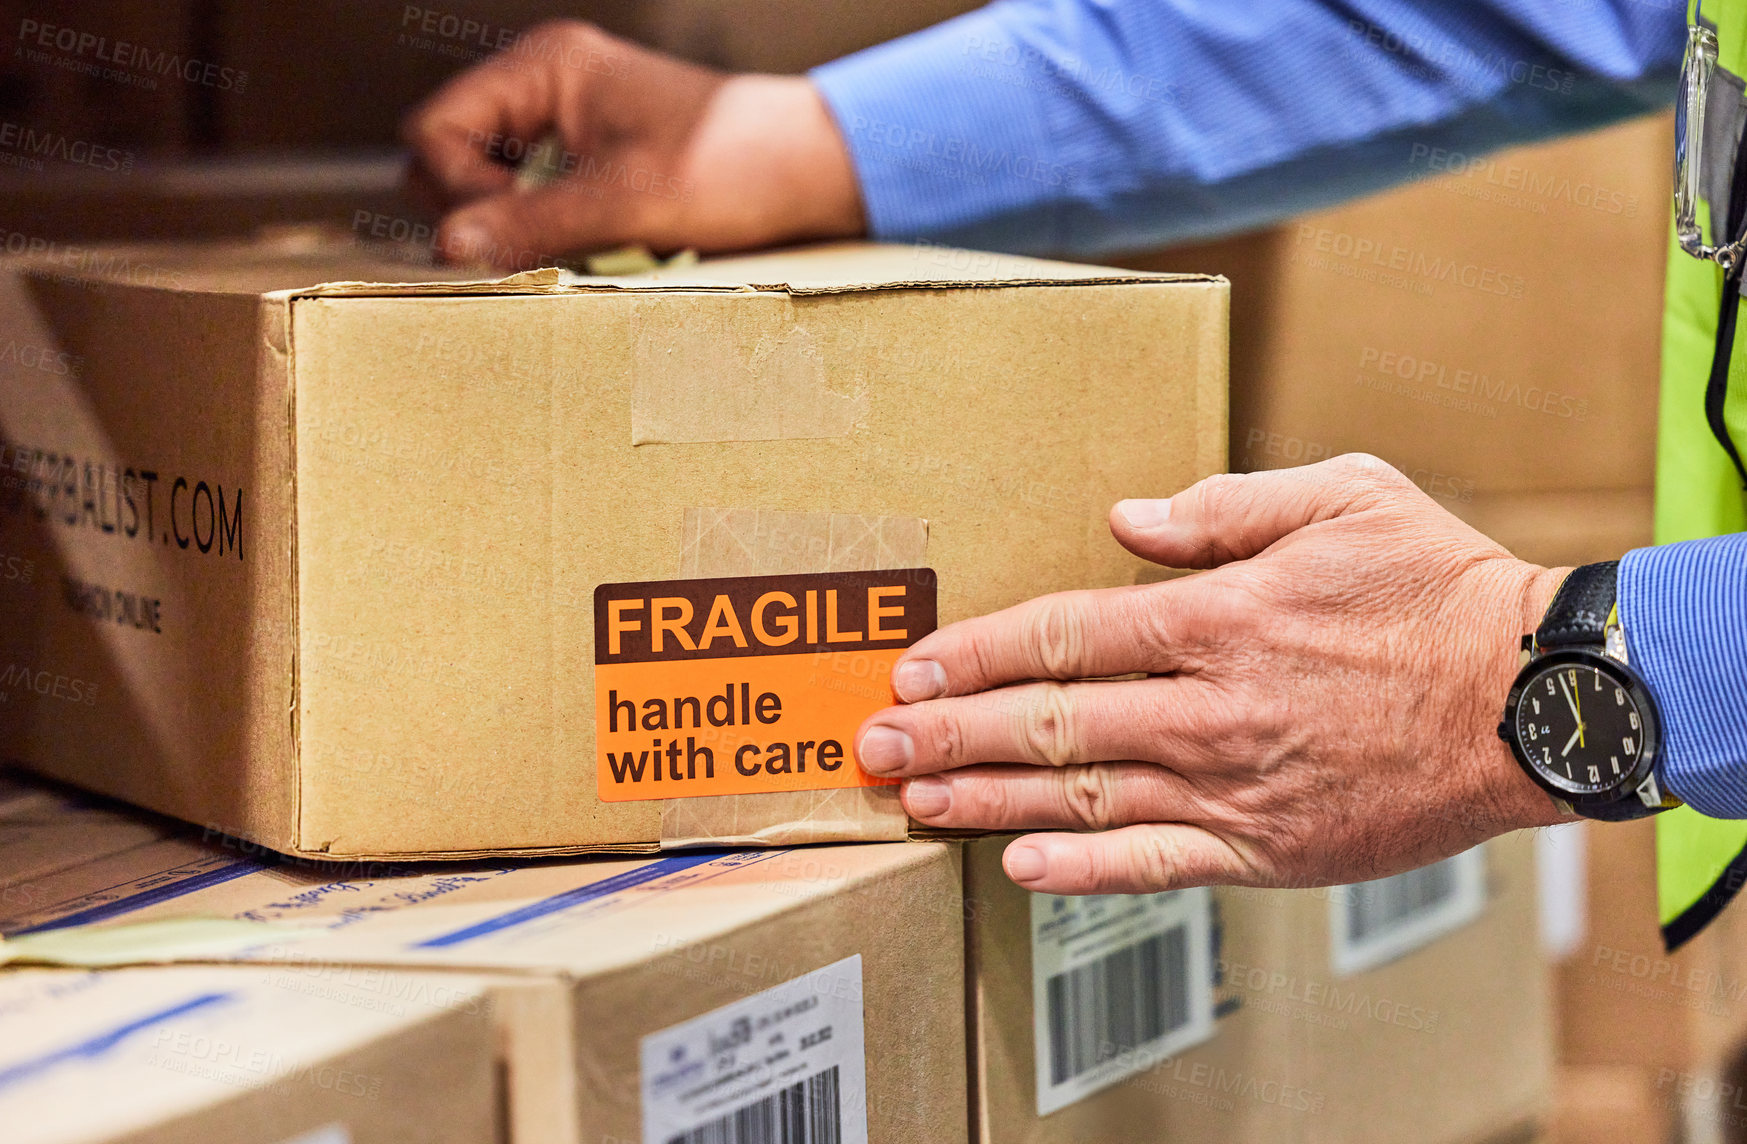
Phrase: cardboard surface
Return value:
(232, 1056)
(1679, 1020)
(49, 830)
(1493, 330)
(351, 193)
(583, 959)
(1449, 1043)
(406, 494)
(1612, 1104)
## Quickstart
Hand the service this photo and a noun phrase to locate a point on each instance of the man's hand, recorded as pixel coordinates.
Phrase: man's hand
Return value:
(654, 150)
(1319, 708)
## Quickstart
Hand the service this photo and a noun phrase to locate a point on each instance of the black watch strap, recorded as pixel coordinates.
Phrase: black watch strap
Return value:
(1628, 809)
(1579, 612)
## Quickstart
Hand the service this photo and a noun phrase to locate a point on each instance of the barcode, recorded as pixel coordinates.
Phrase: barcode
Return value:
(803, 1113)
(1375, 907)
(1111, 1006)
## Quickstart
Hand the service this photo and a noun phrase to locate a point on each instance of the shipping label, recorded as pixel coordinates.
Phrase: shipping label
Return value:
(1120, 983)
(748, 684)
(787, 1064)
(1373, 923)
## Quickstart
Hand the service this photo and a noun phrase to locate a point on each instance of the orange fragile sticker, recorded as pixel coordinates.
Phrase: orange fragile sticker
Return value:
(747, 684)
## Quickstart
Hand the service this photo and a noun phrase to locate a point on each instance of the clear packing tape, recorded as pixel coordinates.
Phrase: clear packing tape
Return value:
(143, 943)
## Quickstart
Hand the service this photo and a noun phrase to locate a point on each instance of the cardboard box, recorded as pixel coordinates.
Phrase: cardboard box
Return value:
(48, 830)
(1611, 1104)
(603, 974)
(1431, 1025)
(408, 494)
(223, 1056)
(206, 199)
(1624, 1003)
(1493, 330)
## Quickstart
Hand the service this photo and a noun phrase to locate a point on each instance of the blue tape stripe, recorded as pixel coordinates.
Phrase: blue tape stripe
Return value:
(164, 893)
(104, 1042)
(660, 868)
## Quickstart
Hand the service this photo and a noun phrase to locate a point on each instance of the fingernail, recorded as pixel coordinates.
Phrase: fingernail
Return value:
(885, 749)
(1145, 513)
(916, 679)
(927, 797)
(1025, 864)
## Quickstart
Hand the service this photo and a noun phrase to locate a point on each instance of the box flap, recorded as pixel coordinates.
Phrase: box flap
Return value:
(301, 266)
(573, 919)
(835, 268)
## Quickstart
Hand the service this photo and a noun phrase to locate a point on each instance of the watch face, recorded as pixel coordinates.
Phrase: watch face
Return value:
(1580, 726)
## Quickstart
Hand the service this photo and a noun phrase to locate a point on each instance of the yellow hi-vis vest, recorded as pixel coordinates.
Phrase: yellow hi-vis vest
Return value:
(1701, 862)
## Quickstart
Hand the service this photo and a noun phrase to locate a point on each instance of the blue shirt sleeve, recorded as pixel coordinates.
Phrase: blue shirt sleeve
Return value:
(1684, 610)
(1086, 126)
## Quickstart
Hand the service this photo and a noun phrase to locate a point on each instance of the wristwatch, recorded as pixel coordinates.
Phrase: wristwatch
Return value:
(1579, 720)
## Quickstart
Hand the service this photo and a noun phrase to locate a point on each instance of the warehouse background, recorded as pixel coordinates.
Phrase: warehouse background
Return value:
(1491, 329)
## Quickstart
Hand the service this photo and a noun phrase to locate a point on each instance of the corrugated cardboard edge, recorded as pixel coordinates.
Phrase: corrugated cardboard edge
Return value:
(278, 359)
(805, 289)
(539, 282)
(1213, 394)
(552, 280)
(352, 857)
(541, 1059)
(764, 542)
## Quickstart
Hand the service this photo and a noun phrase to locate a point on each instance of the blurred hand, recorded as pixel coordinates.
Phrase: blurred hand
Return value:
(655, 150)
(1320, 708)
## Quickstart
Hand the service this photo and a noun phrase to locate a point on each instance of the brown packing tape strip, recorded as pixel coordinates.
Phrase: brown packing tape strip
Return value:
(784, 818)
(770, 542)
(731, 369)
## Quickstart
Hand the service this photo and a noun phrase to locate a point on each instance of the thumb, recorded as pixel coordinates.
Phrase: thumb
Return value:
(522, 230)
(1234, 516)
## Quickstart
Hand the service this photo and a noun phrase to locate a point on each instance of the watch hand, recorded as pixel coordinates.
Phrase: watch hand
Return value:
(1570, 702)
(1576, 736)
(1577, 705)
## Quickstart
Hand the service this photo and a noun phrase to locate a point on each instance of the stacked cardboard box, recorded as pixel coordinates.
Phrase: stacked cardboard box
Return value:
(1493, 331)
(224, 1056)
(48, 830)
(1231, 1015)
(1663, 1035)
(1415, 1008)
(281, 195)
(641, 999)
(494, 543)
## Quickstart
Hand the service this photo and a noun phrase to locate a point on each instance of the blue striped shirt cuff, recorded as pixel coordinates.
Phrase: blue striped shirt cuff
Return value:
(1684, 609)
(941, 144)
